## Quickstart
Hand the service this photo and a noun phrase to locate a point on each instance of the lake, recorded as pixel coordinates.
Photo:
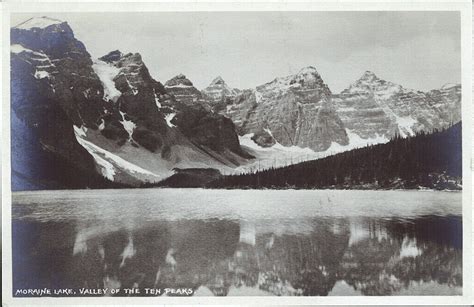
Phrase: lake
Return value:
(232, 242)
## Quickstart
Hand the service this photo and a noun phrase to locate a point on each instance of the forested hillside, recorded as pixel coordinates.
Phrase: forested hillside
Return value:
(431, 161)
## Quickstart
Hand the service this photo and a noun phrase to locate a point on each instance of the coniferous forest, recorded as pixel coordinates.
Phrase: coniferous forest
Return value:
(426, 160)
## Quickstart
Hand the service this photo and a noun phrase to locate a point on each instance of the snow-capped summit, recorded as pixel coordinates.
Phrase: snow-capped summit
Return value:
(219, 91)
(308, 71)
(368, 75)
(38, 22)
(370, 83)
(51, 36)
(306, 80)
(217, 80)
(309, 78)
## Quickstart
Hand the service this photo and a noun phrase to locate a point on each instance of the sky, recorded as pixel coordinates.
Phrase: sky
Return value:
(419, 50)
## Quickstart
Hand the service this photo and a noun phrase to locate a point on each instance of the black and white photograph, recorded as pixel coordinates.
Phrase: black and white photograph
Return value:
(237, 153)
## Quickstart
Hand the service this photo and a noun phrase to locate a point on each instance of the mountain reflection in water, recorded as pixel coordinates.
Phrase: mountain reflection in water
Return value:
(276, 256)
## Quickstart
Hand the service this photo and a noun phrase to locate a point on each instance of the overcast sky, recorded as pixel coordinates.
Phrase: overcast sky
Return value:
(419, 50)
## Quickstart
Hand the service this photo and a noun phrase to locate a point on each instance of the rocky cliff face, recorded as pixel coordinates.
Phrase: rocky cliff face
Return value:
(374, 108)
(167, 126)
(294, 111)
(183, 90)
(197, 120)
(107, 116)
(53, 89)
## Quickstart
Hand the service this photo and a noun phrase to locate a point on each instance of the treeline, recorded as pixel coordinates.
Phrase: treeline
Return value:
(429, 160)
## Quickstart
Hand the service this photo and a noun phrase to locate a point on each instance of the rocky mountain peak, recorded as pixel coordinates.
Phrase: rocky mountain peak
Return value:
(38, 22)
(218, 81)
(308, 71)
(308, 78)
(112, 56)
(179, 81)
(370, 82)
(50, 36)
(219, 91)
(368, 75)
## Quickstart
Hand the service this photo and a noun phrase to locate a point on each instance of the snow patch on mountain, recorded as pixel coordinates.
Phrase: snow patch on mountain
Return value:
(157, 100)
(128, 125)
(132, 87)
(169, 118)
(17, 48)
(80, 131)
(107, 161)
(179, 86)
(106, 73)
(40, 74)
(38, 22)
(355, 141)
(274, 156)
(34, 55)
(106, 168)
(279, 84)
(102, 125)
(279, 155)
(405, 124)
(258, 96)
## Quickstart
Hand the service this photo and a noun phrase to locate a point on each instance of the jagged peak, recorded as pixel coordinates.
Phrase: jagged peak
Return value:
(308, 73)
(368, 75)
(112, 56)
(218, 80)
(38, 22)
(308, 70)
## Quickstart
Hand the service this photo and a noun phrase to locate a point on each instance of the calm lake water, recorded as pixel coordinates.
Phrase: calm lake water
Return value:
(232, 242)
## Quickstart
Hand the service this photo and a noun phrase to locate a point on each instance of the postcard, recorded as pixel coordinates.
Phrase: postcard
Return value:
(237, 153)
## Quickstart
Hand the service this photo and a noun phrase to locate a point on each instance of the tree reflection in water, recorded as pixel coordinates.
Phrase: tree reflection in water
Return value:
(230, 257)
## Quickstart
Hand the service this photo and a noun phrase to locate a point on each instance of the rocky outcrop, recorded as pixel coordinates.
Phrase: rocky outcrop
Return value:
(294, 111)
(372, 108)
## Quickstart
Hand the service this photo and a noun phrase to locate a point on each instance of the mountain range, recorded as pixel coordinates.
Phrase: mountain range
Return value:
(109, 118)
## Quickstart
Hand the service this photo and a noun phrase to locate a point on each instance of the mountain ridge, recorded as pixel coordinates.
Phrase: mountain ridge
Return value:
(110, 117)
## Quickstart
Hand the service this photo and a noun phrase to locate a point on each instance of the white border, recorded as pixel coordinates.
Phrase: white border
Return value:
(465, 8)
